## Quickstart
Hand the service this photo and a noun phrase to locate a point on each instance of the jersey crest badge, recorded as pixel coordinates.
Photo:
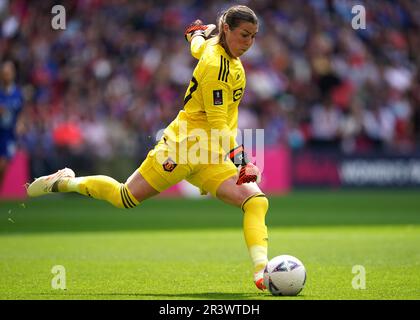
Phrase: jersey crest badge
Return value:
(169, 165)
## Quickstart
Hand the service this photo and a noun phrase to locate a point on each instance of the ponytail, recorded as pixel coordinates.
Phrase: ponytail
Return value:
(233, 17)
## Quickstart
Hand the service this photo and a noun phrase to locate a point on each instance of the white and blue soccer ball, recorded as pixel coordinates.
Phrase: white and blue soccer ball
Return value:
(285, 276)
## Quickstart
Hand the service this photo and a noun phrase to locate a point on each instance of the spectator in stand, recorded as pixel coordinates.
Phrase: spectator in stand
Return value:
(11, 104)
(326, 119)
(379, 124)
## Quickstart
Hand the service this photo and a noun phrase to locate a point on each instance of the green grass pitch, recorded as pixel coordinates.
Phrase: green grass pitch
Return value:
(194, 249)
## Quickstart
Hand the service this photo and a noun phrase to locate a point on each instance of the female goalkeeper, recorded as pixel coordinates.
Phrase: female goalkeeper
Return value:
(200, 144)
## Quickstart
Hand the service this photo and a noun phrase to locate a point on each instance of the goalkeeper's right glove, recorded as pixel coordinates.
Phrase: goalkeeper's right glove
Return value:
(197, 28)
(248, 172)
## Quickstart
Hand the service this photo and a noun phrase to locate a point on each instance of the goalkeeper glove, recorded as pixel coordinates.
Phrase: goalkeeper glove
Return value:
(248, 172)
(197, 28)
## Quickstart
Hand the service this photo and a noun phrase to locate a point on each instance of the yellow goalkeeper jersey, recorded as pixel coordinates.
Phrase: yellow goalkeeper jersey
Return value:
(213, 95)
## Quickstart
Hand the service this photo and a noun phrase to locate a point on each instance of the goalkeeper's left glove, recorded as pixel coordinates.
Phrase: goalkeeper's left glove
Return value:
(197, 28)
(248, 172)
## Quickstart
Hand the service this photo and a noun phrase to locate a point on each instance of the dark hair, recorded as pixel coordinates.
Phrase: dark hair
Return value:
(233, 17)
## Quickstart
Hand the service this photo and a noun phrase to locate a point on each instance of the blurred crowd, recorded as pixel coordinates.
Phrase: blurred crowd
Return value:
(117, 74)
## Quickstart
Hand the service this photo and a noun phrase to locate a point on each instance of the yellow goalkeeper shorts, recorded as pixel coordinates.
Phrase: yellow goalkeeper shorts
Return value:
(167, 164)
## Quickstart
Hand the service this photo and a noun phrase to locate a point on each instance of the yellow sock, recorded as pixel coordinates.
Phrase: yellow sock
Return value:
(100, 187)
(255, 230)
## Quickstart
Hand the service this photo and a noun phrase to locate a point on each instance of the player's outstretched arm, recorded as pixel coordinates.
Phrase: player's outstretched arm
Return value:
(196, 34)
(197, 28)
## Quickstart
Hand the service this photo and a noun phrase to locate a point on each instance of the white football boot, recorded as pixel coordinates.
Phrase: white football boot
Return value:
(43, 185)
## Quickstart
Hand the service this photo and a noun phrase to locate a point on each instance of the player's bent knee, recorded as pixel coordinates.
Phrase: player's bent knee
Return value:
(259, 200)
(265, 203)
(127, 200)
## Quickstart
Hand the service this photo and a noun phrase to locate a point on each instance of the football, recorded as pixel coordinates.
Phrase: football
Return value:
(285, 276)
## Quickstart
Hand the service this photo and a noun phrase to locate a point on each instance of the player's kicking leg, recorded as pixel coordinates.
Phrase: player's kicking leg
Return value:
(121, 195)
(254, 205)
